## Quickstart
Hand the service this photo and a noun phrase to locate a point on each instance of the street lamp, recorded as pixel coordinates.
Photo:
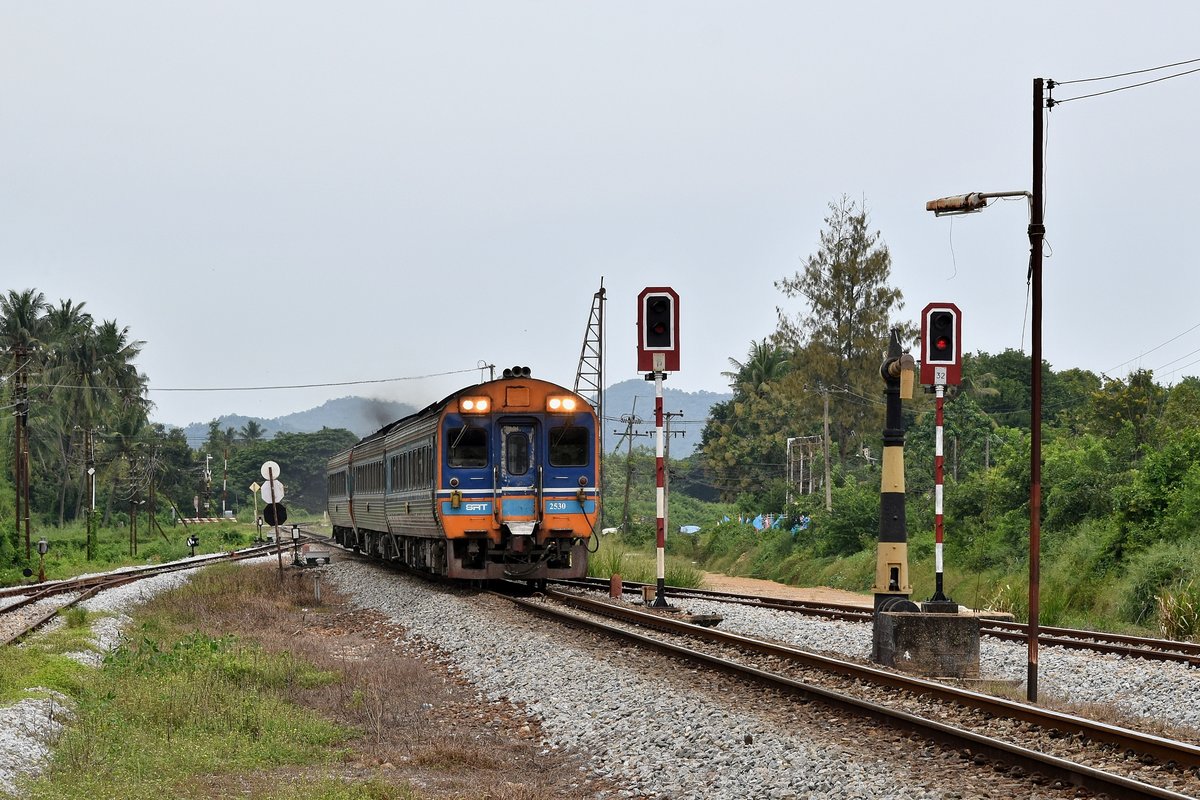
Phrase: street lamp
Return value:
(964, 204)
(975, 201)
(967, 203)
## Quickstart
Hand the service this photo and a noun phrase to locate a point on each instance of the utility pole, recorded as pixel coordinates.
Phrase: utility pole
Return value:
(224, 482)
(207, 485)
(630, 420)
(667, 433)
(17, 449)
(89, 448)
(828, 481)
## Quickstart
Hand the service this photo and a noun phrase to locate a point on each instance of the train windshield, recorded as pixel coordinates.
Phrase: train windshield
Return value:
(569, 446)
(516, 453)
(468, 447)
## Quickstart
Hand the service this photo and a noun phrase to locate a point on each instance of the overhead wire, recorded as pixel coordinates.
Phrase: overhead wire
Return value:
(1127, 74)
(1156, 347)
(263, 388)
(1053, 102)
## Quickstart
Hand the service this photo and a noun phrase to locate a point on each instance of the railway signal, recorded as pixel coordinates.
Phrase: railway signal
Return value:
(658, 352)
(941, 365)
(658, 329)
(941, 345)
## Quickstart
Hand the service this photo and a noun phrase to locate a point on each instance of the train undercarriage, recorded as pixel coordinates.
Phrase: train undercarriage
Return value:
(520, 558)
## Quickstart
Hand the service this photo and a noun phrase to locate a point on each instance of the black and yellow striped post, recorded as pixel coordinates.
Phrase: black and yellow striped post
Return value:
(892, 588)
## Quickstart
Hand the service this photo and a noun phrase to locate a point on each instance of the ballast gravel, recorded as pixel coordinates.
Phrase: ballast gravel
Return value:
(657, 741)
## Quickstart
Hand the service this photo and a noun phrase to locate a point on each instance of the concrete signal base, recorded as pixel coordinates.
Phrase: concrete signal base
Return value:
(931, 645)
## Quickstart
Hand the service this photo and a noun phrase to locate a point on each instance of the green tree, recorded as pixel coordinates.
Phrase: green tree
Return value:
(252, 432)
(22, 336)
(1181, 411)
(1136, 402)
(70, 370)
(301, 458)
(840, 338)
(766, 362)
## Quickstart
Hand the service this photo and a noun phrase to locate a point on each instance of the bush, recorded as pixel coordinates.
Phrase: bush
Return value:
(1150, 573)
(1179, 611)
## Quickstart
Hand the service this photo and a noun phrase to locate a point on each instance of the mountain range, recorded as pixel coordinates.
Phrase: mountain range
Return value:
(364, 415)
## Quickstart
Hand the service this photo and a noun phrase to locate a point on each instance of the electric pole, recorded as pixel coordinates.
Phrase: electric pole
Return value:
(828, 482)
(630, 420)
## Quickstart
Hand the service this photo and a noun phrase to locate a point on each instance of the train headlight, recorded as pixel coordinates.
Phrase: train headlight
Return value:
(561, 404)
(474, 405)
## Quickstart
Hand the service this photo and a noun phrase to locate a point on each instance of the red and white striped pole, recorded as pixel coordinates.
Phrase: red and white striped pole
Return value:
(660, 494)
(938, 470)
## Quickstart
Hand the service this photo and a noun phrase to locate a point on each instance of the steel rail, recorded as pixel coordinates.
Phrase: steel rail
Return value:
(1075, 774)
(1070, 638)
(94, 584)
(1157, 746)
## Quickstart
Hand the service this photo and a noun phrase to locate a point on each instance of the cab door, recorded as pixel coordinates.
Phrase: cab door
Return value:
(519, 465)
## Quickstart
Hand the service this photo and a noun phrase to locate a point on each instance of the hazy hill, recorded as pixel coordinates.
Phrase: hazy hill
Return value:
(363, 415)
(619, 401)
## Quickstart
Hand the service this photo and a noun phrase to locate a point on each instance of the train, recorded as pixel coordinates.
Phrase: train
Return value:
(497, 481)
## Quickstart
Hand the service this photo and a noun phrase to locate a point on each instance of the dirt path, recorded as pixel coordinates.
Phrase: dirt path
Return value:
(728, 583)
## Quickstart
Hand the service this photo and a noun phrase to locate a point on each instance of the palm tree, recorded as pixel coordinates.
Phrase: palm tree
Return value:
(69, 371)
(766, 362)
(22, 331)
(252, 432)
(22, 324)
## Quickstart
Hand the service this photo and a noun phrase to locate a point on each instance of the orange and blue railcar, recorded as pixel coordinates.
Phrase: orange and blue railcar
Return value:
(496, 481)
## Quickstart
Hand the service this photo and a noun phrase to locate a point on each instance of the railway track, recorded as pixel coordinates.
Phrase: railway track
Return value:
(1071, 638)
(1116, 761)
(34, 605)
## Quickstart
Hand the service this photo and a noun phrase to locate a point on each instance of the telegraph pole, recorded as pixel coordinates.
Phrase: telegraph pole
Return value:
(17, 450)
(89, 448)
(630, 420)
(667, 433)
(828, 480)
(23, 412)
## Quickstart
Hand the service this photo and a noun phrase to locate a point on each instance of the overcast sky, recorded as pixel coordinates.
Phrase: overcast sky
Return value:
(295, 192)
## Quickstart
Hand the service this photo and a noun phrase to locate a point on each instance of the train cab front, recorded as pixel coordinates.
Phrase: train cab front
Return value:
(519, 495)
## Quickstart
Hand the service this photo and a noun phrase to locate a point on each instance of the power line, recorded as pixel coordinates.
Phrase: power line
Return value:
(1127, 74)
(1052, 102)
(1156, 347)
(262, 388)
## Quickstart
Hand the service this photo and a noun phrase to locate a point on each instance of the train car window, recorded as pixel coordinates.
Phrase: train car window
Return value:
(569, 446)
(468, 447)
(516, 453)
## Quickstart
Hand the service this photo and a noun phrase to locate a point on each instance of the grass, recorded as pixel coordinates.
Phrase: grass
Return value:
(66, 556)
(238, 685)
(640, 566)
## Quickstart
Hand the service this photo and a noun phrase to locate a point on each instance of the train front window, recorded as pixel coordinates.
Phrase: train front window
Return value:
(569, 446)
(516, 453)
(468, 447)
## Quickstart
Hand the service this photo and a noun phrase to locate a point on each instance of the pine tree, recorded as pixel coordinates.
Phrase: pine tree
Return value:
(840, 338)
